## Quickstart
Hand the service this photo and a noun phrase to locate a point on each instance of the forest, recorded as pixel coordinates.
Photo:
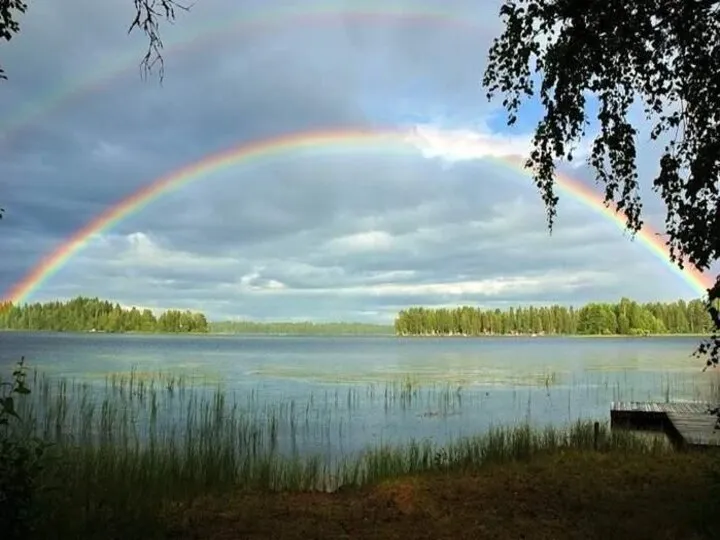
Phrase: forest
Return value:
(300, 328)
(95, 315)
(626, 317)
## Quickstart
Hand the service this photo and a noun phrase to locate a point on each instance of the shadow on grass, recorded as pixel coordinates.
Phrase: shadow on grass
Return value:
(575, 495)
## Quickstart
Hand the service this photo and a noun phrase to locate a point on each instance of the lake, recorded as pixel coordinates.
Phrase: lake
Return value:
(335, 396)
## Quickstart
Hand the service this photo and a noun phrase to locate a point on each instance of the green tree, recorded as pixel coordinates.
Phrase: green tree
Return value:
(661, 54)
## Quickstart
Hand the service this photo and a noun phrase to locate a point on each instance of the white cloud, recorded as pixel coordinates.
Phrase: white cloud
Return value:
(367, 241)
(556, 281)
(254, 282)
(466, 144)
(140, 250)
(105, 151)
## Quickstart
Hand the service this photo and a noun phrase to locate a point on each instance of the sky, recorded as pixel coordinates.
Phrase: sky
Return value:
(344, 232)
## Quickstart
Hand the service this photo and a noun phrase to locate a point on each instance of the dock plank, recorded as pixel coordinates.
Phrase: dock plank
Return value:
(686, 423)
(696, 429)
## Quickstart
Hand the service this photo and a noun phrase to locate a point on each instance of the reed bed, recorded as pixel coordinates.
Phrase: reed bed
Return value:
(168, 436)
(146, 410)
(131, 487)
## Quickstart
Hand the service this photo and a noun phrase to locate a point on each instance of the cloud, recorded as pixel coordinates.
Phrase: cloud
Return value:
(342, 232)
(362, 242)
(466, 144)
(109, 153)
(485, 288)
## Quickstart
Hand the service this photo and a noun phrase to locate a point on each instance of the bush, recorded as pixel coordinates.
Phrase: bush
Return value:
(20, 461)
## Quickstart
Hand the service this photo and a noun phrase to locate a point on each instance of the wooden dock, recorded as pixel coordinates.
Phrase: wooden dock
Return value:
(687, 425)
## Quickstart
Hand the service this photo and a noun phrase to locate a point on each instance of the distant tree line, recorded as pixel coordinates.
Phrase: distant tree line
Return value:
(299, 328)
(94, 315)
(624, 318)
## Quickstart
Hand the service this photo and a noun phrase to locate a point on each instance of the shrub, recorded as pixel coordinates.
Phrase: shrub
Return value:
(20, 461)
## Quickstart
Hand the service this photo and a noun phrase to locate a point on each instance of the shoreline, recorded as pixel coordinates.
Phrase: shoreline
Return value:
(370, 335)
(551, 336)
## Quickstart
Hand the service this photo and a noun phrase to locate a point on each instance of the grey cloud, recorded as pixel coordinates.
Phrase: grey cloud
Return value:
(300, 195)
(322, 198)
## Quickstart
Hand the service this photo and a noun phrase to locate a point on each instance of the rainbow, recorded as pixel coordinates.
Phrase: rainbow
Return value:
(242, 24)
(353, 140)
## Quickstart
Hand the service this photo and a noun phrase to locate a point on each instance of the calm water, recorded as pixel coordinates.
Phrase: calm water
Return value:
(347, 392)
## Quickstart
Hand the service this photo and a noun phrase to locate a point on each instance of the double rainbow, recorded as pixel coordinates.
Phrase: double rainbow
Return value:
(268, 20)
(351, 141)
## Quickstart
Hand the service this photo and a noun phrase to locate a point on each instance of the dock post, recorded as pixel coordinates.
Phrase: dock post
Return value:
(596, 435)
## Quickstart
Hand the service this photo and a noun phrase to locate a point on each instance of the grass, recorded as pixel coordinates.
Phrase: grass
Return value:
(118, 468)
(573, 495)
(125, 490)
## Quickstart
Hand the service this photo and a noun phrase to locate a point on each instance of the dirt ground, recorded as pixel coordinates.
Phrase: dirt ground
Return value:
(562, 497)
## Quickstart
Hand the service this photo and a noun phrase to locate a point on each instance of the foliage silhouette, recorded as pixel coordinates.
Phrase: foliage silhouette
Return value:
(21, 462)
(662, 54)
